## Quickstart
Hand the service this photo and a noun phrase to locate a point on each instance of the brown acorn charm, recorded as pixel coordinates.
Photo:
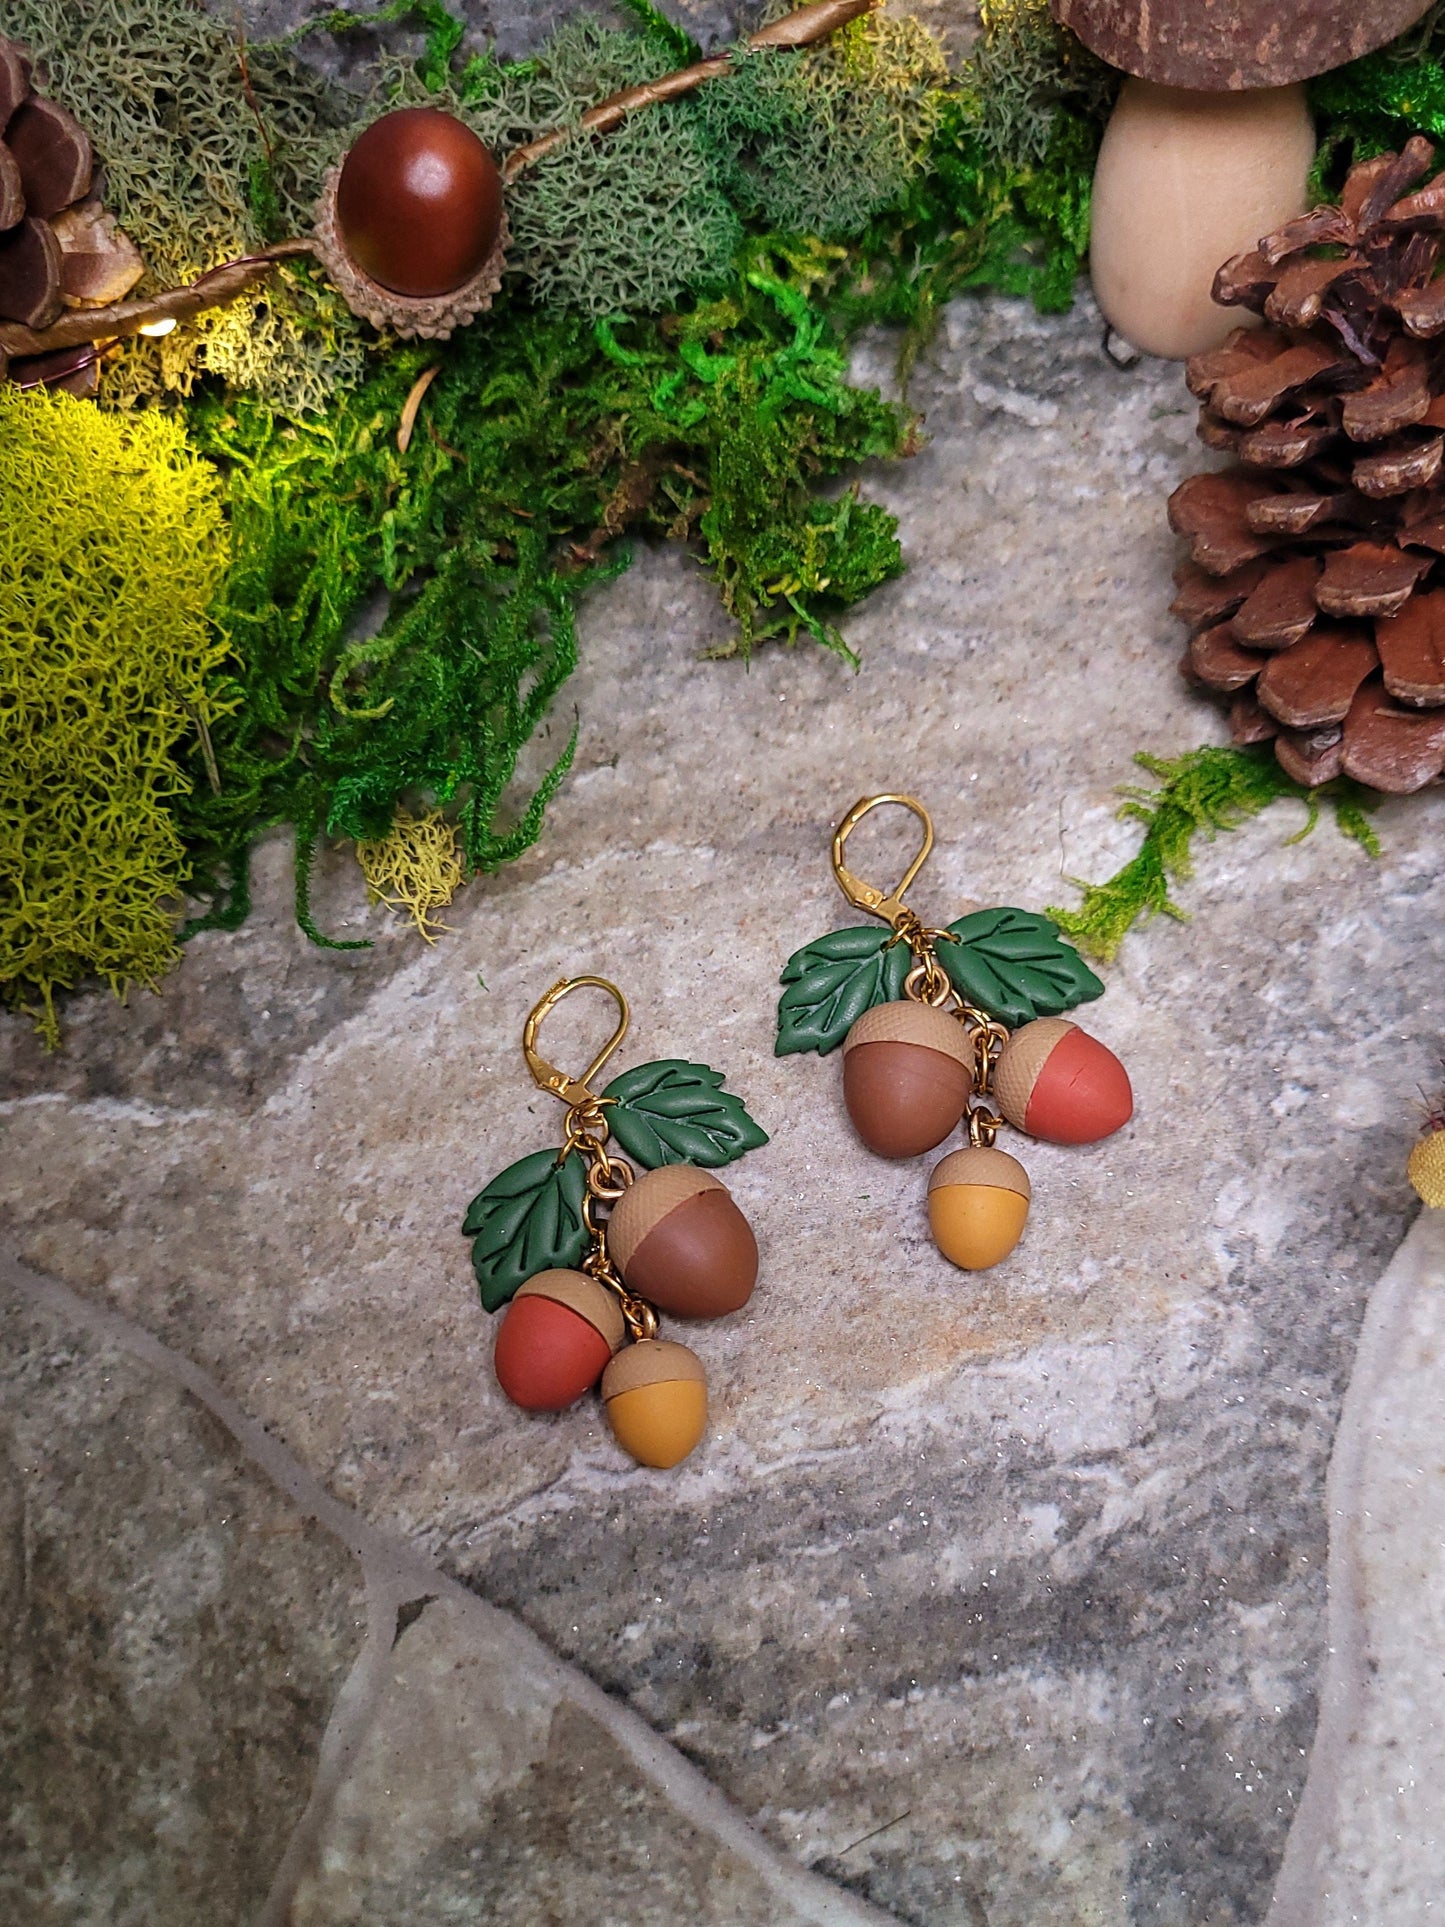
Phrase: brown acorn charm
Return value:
(954, 1027)
(907, 1077)
(680, 1242)
(581, 1290)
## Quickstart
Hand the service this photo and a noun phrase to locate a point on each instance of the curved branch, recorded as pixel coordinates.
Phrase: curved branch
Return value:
(210, 290)
(799, 29)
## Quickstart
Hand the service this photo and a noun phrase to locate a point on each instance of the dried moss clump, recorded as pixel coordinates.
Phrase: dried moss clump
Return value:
(111, 548)
(210, 149)
(822, 140)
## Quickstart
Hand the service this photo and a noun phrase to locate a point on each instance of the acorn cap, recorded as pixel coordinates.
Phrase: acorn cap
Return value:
(906, 1022)
(647, 1201)
(652, 1361)
(977, 1164)
(1226, 46)
(581, 1294)
(1021, 1060)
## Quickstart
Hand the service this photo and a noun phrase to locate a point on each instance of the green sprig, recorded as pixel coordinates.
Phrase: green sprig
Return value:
(1207, 791)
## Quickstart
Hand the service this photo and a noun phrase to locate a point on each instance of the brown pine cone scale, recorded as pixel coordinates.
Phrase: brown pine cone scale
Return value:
(1314, 592)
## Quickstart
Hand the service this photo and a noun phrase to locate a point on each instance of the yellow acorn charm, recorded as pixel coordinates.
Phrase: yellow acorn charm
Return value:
(978, 1204)
(1426, 1168)
(655, 1393)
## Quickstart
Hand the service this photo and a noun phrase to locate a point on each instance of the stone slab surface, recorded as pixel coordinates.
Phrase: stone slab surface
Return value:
(174, 1633)
(1369, 1841)
(1022, 1574)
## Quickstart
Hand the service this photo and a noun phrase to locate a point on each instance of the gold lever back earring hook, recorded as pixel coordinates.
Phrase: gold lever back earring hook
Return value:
(572, 1090)
(887, 904)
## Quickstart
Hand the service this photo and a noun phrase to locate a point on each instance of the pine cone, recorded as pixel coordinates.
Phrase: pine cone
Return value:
(1316, 591)
(58, 246)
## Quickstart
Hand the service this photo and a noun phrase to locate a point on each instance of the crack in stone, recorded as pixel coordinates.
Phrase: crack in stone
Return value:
(399, 1584)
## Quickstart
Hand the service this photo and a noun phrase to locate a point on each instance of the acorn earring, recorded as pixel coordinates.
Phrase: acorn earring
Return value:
(950, 1027)
(582, 1291)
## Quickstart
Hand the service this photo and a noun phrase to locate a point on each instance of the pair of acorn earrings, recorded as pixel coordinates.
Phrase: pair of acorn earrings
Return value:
(955, 1027)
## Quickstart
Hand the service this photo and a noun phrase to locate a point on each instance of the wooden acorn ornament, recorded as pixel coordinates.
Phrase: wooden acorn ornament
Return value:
(960, 1026)
(410, 224)
(581, 1290)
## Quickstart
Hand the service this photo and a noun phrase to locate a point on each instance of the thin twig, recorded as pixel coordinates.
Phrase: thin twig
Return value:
(799, 29)
(249, 91)
(863, 1840)
(211, 290)
(413, 402)
(208, 753)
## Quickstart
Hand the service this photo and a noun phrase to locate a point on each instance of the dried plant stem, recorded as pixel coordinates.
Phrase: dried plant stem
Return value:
(799, 29)
(211, 290)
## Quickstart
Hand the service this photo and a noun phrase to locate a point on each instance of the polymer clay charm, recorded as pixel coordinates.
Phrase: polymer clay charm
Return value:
(579, 1291)
(949, 1028)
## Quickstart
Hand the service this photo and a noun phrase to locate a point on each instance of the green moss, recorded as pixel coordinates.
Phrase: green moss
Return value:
(822, 140)
(1200, 794)
(542, 442)
(111, 547)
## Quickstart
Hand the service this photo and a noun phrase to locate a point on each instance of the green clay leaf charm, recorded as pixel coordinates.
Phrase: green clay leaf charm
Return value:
(676, 1113)
(832, 981)
(528, 1219)
(1015, 965)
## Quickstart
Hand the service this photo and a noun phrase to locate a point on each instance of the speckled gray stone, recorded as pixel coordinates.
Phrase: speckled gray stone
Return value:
(1020, 1573)
(174, 1633)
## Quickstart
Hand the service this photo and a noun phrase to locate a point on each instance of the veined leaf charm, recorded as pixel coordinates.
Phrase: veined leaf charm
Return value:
(830, 982)
(1016, 965)
(672, 1112)
(528, 1219)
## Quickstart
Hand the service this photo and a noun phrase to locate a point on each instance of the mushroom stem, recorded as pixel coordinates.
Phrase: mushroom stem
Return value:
(799, 29)
(1186, 180)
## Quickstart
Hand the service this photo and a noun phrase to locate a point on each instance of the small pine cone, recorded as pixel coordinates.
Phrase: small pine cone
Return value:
(58, 246)
(1315, 592)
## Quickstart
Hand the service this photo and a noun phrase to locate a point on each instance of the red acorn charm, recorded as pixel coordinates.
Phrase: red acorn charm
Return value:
(1056, 1082)
(556, 1339)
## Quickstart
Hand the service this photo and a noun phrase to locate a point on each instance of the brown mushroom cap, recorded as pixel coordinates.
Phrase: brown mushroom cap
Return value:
(1225, 46)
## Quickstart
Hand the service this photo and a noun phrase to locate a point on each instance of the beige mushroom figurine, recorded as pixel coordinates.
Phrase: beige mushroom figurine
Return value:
(1209, 146)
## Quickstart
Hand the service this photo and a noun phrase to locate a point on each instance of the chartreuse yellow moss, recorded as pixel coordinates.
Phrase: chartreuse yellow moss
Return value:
(111, 548)
(415, 868)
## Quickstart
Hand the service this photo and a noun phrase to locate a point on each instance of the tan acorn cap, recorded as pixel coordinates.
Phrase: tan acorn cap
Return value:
(1224, 46)
(581, 1294)
(652, 1361)
(647, 1201)
(1020, 1062)
(977, 1164)
(905, 1022)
